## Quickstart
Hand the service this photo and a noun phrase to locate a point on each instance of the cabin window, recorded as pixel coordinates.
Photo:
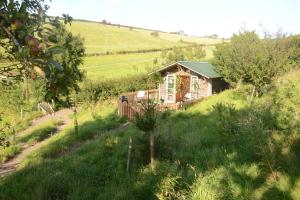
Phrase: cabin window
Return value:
(194, 87)
(170, 88)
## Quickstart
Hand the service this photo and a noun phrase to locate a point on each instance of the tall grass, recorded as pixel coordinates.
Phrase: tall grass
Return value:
(16, 142)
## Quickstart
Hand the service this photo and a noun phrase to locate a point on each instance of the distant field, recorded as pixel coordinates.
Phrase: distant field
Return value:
(100, 38)
(116, 66)
(122, 65)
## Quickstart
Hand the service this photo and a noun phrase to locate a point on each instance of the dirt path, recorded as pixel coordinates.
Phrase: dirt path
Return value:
(61, 115)
(12, 165)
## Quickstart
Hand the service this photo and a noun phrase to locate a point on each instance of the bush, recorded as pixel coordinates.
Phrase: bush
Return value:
(161, 150)
(94, 91)
(227, 119)
(154, 33)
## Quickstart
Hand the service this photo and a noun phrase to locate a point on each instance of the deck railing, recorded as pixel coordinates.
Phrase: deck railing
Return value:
(132, 107)
(133, 99)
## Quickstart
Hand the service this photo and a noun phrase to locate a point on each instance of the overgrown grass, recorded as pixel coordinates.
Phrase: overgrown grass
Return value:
(26, 122)
(92, 121)
(9, 152)
(40, 133)
(222, 148)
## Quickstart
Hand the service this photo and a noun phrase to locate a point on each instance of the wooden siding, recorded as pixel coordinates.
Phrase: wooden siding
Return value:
(205, 84)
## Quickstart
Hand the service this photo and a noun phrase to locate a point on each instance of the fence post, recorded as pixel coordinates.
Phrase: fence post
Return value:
(151, 135)
(129, 155)
(75, 120)
(21, 114)
(170, 140)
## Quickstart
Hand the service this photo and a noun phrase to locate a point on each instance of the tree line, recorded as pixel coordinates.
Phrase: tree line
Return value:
(249, 59)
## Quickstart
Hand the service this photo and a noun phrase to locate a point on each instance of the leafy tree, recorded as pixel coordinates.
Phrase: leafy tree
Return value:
(39, 45)
(293, 43)
(146, 121)
(62, 83)
(249, 59)
(194, 53)
(28, 38)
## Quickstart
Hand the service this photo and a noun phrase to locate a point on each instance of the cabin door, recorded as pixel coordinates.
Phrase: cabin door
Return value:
(182, 88)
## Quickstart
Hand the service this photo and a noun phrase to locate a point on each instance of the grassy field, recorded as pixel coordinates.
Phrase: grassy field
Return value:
(100, 38)
(211, 158)
(117, 66)
(124, 65)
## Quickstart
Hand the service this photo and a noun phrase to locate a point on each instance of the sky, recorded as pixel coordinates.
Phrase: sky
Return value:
(194, 17)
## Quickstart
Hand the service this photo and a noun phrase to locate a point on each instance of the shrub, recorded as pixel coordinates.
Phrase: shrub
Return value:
(161, 150)
(226, 118)
(154, 33)
(94, 91)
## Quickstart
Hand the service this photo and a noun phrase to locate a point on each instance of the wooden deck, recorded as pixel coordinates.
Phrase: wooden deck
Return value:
(132, 107)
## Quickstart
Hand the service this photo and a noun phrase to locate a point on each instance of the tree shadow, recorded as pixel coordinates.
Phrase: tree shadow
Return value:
(252, 159)
(98, 169)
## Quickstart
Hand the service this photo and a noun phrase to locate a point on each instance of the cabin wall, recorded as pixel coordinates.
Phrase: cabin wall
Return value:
(204, 84)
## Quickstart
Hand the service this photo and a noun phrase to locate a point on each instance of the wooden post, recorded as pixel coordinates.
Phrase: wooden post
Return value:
(14, 134)
(21, 114)
(252, 94)
(129, 156)
(151, 135)
(75, 120)
(170, 140)
(26, 88)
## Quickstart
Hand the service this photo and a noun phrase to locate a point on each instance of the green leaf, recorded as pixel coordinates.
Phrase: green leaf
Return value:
(56, 49)
(53, 38)
(56, 64)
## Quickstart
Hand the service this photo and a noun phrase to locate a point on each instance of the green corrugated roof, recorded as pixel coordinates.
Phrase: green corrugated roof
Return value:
(203, 68)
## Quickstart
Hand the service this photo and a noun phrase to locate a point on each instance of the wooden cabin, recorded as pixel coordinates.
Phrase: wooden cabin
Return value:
(183, 83)
(188, 80)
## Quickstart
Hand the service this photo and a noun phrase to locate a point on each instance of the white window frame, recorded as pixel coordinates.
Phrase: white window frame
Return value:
(191, 82)
(174, 89)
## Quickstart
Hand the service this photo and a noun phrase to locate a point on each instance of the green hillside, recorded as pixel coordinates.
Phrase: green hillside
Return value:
(101, 38)
(117, 66)
(123, 65)
(222, 148)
